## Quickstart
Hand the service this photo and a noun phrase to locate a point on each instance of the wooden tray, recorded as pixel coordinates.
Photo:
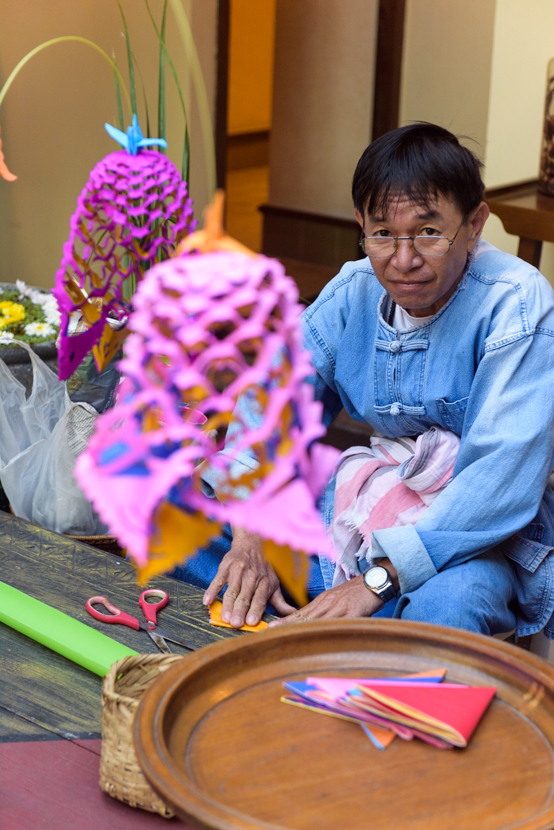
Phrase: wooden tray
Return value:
(219, 747)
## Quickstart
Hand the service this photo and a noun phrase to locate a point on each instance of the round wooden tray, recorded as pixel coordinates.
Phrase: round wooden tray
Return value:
(220, 748)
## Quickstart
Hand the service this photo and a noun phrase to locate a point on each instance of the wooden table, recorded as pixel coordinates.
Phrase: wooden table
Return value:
(526, 213)
(49, 706)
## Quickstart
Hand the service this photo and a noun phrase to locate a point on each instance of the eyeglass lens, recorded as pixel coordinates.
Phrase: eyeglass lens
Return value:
(386, 245)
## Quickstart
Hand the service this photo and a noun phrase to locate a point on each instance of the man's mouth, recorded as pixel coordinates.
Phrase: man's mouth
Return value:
(409, 283)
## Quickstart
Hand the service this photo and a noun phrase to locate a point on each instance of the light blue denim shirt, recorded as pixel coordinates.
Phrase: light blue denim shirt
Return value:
(482, 367)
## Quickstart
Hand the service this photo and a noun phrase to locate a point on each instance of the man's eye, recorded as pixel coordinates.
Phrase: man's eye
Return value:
(382, 232)
(429, 232)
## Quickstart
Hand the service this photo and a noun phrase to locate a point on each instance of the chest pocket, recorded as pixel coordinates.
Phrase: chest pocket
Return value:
(453, 414)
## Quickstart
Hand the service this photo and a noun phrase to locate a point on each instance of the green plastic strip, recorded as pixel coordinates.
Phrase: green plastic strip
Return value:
(60, 632)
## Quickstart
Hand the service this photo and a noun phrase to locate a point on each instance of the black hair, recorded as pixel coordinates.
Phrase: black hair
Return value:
(421, 161)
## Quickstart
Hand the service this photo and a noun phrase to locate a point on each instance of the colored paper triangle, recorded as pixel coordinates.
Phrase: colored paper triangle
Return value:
(446, 709)
(319, 699)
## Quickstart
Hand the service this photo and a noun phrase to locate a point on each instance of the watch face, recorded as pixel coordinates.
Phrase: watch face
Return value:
(376, 577)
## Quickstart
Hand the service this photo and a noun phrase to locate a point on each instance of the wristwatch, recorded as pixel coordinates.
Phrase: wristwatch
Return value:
(377, 579)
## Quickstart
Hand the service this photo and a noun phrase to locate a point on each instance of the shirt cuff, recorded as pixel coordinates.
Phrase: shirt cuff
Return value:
(407, 553)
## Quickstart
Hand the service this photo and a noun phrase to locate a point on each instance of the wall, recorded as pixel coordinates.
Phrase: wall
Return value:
(53, 115)
(478, 67)
(251, 50)
(322, 101)
(523, 45)
(446, 65)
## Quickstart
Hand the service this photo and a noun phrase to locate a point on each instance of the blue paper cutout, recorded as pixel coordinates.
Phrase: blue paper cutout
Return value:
(133, 140)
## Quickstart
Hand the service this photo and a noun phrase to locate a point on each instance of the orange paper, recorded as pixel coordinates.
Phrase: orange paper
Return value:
(110, 343)
(4, 172)
(215, 619)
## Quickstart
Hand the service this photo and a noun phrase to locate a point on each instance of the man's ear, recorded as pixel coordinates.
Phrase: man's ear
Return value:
(359, 218)
(477, 223)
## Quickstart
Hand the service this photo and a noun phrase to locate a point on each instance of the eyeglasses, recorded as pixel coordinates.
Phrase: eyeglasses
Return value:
(429, 246)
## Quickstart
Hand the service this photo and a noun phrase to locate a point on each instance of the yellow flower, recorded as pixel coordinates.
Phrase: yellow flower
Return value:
(10, 313)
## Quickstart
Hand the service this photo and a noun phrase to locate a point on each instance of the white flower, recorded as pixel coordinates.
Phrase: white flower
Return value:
(22, 288)
(53, 319)
(51, 311)
(37, 297)
(5, 336)
(39, 330)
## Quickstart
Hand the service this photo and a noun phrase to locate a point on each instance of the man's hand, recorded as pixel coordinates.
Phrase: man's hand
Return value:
(251, 582)
(352, 599)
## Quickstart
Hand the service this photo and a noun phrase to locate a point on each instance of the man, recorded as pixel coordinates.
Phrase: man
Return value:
(436, 328)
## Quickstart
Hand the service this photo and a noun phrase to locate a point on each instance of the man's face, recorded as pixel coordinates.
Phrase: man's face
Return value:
(419, 284)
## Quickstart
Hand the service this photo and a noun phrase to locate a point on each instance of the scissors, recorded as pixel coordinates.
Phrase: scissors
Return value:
(150, 610)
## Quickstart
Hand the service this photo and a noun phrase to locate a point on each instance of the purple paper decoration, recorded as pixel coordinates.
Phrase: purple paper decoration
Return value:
(131, 213)
(209, 329)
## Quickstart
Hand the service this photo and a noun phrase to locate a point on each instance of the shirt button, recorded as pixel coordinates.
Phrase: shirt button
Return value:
(395, 346)
(395, 409)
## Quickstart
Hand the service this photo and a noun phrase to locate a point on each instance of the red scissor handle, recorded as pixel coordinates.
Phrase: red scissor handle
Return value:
(115, 616)
(150, 609)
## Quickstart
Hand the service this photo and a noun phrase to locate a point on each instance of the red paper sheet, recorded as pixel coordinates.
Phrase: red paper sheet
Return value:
(439, 709)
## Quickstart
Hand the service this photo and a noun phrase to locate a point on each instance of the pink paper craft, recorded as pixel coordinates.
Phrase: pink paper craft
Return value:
(338, 706)
(131, 214)
(207, 330)
(337, 687)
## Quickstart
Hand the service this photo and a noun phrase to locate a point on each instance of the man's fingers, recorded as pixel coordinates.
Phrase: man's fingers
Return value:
(280, 604)
(229, 599)
(216, 584)
(296, 617)
(243, 601)
(314, 610)
(259, 602)
(237, 597)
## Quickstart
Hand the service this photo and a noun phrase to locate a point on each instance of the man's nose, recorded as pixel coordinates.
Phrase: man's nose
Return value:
(406, 257)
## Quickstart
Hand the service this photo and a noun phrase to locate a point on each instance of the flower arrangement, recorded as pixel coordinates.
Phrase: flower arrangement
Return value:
(28, 314)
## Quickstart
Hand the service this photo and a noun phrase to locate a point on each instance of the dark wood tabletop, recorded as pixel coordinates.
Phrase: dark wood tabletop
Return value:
(49, 706)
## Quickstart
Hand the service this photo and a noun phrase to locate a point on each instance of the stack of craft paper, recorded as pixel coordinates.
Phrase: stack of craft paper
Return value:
(413, 706)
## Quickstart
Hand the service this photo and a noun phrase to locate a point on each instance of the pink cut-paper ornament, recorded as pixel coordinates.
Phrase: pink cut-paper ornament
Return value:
(207, 331)
(131, 214)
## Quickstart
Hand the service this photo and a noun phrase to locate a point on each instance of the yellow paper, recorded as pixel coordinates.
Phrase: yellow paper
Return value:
(291, 567)
(215, 619)
(110, 343)
(178, 536)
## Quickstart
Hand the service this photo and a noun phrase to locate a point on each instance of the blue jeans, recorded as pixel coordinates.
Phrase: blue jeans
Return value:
(477, 596)
(201, 568)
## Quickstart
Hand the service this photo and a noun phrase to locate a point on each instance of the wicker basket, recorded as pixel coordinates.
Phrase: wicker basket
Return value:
(108, 544)
(122, 688)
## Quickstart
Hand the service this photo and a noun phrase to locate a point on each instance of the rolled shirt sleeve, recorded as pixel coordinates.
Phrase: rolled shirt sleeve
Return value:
(501, 470)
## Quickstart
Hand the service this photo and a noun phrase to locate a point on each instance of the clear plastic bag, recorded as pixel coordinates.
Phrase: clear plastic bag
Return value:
(37, 451)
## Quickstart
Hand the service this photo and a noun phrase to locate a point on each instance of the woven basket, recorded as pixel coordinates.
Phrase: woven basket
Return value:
(108, 544)
(122, 688)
